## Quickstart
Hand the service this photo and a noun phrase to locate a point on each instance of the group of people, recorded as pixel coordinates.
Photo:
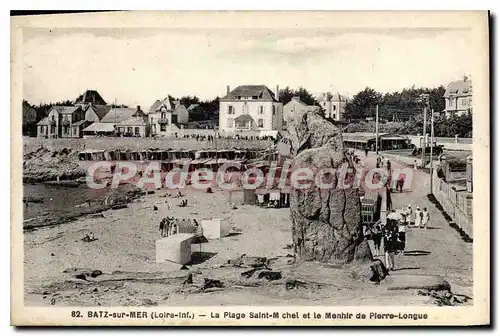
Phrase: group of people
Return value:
(171, 225)
(393, 236)
(168, 227)
(198, 137)
(352, 155)
(383, 162)
(418, 218)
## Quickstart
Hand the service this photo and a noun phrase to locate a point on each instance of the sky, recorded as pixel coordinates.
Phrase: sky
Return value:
(137, 66)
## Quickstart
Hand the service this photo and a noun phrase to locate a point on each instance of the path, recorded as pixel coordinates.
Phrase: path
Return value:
(439, 250)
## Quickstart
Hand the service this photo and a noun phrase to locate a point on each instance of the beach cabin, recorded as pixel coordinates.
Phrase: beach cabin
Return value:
(215, 228)
(175, 248)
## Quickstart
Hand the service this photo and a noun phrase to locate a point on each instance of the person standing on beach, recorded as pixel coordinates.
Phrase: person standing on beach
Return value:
(408, 214)
(377, 237)
(390, 246)
(169, 226)
(418, 217)
(425, 218)
(366, 151)
(162, 227)
(401, 236)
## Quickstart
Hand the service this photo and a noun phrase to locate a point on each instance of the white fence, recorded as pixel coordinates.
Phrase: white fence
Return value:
(458, 205)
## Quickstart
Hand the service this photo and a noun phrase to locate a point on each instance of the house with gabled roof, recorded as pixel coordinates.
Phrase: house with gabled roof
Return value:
(334, 105)
(250, 107)
(458, 98)
(167, 116)
(95, 113)
(121, 121)
(137, 125)
(62, 122)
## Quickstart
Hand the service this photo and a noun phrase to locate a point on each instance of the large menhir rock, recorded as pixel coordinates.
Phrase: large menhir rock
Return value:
(326, 222)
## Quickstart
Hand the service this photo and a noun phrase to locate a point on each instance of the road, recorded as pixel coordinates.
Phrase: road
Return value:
(438, 250)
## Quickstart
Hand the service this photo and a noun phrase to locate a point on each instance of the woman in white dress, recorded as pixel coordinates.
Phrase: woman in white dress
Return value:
(418, 220)
(408, 215)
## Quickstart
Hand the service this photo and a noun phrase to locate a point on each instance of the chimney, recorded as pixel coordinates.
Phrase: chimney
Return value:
(277, 92)
(138, 107)
(228, 89)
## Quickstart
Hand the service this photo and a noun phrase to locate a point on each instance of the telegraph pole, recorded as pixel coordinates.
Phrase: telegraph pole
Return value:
(376, 130)
(432, 145)
(425, 98)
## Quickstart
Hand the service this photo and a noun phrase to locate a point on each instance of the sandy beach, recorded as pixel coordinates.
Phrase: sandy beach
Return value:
(125, 254)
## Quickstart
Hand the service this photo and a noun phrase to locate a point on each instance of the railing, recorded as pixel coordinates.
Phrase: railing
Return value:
(456, 204)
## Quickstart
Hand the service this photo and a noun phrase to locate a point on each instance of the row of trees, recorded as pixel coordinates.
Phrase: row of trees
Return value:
(400, 105)
(443, 127)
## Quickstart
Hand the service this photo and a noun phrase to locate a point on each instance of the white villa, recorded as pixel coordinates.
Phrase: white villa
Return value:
(250, 107)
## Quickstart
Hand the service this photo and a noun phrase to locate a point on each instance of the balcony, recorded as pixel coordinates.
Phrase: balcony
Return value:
(65, 123)
(163, 121)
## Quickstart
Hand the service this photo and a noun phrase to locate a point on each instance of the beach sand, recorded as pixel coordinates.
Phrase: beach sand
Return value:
(125, 252)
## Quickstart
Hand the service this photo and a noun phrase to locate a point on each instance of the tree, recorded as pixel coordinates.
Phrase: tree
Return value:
(286, 95)
(362, 104)
(305, 96)
(189, 100)
(206, 110)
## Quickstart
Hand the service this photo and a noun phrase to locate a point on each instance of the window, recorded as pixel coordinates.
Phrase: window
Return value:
(163, 127)
(163, 115)
(53, 118)
(121, 129)
(274, 110)
(229, 122)
(129, 130)
(230, 109)
(152, 121)
(284, 124)
(334, 116)
(255, 97)
(334, 107)
(261, 110)
(260, 122)
(137, 132)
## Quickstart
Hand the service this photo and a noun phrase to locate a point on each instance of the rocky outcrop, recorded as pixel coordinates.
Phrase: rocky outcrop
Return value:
(326, 222)
(47, 165)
